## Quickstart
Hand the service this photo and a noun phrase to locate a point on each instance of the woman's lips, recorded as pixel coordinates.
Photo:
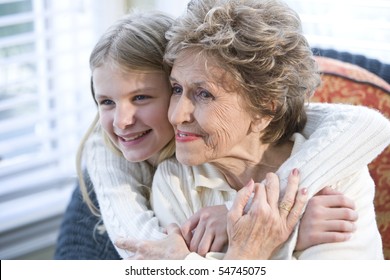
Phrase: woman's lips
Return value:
(183, 136)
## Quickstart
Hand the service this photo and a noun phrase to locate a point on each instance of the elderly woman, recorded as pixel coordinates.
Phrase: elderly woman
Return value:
(242, 72)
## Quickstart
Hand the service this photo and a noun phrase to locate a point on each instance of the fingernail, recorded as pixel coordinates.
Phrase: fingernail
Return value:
(251, 182)
(119, 242)
(304, 191)
(295, 172)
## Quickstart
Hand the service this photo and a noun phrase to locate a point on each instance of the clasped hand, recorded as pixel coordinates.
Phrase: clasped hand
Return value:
(267, 224)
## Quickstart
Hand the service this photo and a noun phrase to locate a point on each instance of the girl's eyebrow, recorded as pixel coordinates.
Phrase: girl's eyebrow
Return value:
(101, 96)
(134, 92)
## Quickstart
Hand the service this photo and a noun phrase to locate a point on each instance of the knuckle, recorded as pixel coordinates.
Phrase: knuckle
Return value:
(316, 213)
(230, 216)
(338, 237)
(350, 215)
(294, 180)
(272, 180)
(289, 201)
(315, 201)
(343, 200)
(204, 215)
(295, 214)
(202, 250)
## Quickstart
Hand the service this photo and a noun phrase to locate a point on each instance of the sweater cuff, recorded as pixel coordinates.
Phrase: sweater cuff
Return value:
(194, 256)
(209, 256)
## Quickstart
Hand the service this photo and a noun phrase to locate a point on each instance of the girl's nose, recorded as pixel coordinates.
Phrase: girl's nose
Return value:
(124, 116)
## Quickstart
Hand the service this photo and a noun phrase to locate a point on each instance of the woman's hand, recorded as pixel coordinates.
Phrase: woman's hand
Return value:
(206, 231)
(267, 224)
(173, 247)
(329, 217)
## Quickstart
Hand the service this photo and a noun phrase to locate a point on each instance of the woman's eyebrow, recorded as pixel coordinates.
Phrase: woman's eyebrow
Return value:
(198, 84)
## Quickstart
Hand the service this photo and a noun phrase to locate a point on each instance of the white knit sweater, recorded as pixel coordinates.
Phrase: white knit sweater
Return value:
(342, 140)
(180, 191)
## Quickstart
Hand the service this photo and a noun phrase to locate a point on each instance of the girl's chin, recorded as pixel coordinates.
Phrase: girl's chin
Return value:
(135, 158)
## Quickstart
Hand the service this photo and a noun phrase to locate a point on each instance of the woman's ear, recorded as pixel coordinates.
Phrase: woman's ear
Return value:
(259, 123)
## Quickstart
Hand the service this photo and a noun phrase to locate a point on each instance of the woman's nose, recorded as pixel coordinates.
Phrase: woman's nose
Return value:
(124, 116)
(180, 110)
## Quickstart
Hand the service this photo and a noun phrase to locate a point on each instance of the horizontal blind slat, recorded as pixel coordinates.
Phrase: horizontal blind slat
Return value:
(35, 207)
(18, 123)
(26, 58)
(35, 161)
(16, 19)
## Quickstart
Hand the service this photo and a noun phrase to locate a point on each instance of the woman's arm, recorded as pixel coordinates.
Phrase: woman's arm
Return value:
(122, 190)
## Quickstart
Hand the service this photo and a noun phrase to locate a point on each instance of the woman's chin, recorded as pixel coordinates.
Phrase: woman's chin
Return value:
(188, 160)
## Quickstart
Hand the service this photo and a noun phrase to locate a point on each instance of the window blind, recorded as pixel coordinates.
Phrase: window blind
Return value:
(356, 26)
(45, 107)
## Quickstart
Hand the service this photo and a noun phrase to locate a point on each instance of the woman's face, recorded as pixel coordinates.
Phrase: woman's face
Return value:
(210, 121)
(133, 110)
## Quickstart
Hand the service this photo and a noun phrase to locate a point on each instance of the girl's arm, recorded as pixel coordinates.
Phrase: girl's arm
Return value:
(341, 140)
(330, 217)
(365, 243)
(122, 189)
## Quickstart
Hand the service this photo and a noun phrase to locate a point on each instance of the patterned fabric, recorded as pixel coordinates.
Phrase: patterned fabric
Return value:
(346, 83)
(373, 65)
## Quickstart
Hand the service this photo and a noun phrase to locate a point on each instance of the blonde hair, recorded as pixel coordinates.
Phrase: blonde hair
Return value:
(260, 43)
(136, 42)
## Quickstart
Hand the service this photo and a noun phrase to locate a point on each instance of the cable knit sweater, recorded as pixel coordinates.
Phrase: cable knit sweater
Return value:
(342, 139)
(180, 191)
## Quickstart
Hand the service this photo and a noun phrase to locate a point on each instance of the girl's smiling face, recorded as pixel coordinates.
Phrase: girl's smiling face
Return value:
(133, 110)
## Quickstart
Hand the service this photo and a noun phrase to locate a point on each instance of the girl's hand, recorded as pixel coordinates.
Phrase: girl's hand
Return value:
(206, 231)
(329, 217)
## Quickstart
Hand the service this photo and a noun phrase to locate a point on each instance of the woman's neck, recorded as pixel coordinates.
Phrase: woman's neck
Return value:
(239, 170)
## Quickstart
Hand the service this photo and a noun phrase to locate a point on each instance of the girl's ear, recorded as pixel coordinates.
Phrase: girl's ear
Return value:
(259, 123)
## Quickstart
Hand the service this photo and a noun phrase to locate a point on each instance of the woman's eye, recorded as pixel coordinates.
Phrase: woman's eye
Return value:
(176, 90)
(205, 95)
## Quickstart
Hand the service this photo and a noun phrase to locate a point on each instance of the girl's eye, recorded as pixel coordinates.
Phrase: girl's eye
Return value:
(205, 95)
(106, 102)
(140, 97)
(177, 90)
